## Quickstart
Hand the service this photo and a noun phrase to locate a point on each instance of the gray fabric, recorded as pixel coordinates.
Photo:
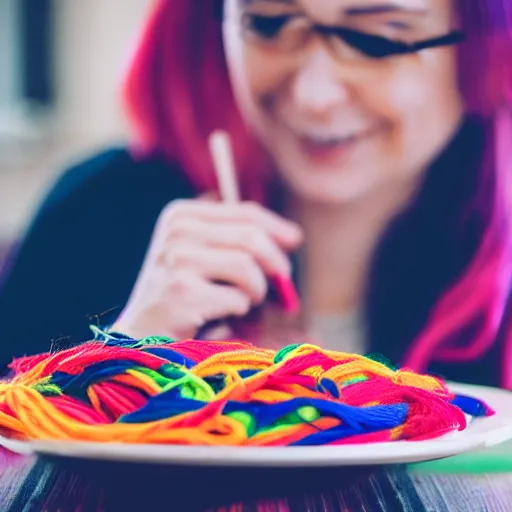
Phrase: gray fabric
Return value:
(342, 333)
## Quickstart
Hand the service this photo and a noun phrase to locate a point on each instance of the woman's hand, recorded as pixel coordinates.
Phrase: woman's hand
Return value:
(206, 261)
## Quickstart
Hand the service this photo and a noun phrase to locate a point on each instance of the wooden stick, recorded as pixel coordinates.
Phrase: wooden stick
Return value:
(223, 161)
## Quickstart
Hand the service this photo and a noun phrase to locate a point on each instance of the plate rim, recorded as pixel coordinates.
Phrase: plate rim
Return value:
(399, 452)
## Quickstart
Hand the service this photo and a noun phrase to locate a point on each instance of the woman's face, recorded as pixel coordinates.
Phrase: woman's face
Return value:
(341, 125)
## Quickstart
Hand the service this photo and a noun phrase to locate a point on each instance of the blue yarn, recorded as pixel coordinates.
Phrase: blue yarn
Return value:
(379, 418)
(120, 342)
(332, 434)
(171, 356)
(164, 405)
(329, 386)
(470, 405)
(216, 382)
(358, 419)
(112, 339)
(355, 421)
(94, 373)
(245, 374)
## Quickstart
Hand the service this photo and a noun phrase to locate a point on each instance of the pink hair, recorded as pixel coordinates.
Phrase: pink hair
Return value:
(482, 294)
(176, 91)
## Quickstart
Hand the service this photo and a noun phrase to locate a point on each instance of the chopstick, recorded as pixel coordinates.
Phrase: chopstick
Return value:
(223, 162)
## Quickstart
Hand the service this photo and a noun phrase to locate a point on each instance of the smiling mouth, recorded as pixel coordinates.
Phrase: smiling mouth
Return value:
(330, 149)
(329, 141)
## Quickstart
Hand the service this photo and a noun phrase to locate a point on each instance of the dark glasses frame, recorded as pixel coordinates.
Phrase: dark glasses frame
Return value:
(381, 47)
(377, 47)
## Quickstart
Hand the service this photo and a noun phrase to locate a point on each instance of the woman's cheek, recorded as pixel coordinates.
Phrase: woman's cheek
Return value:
(266, 73)
(407, 89)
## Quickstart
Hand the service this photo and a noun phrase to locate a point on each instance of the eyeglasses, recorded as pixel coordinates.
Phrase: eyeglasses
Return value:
(289, 33)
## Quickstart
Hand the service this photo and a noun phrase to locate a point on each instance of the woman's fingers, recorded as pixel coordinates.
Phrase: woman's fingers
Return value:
(236, 236)
(207, 261)
(285, 232)
(230, 266)
(220, 301)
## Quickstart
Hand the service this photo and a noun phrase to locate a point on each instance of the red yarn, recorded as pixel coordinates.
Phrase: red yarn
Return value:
(300, 363)
(25, 364)
(198, 351)
(281, 382)
(430, 415)
(430, 419)
(117, 399)
(6, 409)
(78, 410)
(57, 359)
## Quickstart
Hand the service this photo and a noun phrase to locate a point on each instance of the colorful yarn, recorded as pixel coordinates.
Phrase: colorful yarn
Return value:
(117, 389)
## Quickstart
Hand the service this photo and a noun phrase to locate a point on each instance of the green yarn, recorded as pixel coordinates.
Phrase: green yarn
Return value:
(153, 341)
(169, 377)
(284, 352)
(159, 379)
(274, 428)
(355, 380)
(192, 387)
(246, 420)
(171, 371)
(379, 358)
(187, 392)
(150, 341)
(308, 413)
(105, 335)
(48, 389)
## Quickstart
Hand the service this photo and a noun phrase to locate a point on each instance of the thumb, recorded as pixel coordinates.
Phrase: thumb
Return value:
(211, 196)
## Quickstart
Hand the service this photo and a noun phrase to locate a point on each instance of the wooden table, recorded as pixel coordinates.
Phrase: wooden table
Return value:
(30, 484)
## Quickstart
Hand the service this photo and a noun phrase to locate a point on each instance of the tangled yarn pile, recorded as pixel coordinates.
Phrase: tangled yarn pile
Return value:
(154, 390)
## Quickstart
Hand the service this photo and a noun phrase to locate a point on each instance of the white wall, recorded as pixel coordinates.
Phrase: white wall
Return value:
(93, 41)
(8, 80)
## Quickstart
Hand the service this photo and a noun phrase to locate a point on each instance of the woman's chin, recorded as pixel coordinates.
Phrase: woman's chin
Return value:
(332, 190)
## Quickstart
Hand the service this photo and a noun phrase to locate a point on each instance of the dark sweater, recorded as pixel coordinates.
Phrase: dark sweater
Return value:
(82, 252)
(80, 257)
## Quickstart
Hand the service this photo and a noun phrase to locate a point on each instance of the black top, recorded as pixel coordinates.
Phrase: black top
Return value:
(81, 254)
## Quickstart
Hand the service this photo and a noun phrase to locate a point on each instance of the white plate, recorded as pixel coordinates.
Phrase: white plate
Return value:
(481, 433)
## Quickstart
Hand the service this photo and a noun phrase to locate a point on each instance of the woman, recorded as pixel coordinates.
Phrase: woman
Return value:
(372, 172)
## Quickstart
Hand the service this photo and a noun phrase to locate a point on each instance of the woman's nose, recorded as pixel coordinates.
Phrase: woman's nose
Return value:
(316, 88)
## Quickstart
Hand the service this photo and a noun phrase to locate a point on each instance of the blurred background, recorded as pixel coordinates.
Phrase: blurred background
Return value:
(60, 66)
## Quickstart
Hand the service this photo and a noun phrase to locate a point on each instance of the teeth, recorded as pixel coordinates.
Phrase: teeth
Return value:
(330, 140)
